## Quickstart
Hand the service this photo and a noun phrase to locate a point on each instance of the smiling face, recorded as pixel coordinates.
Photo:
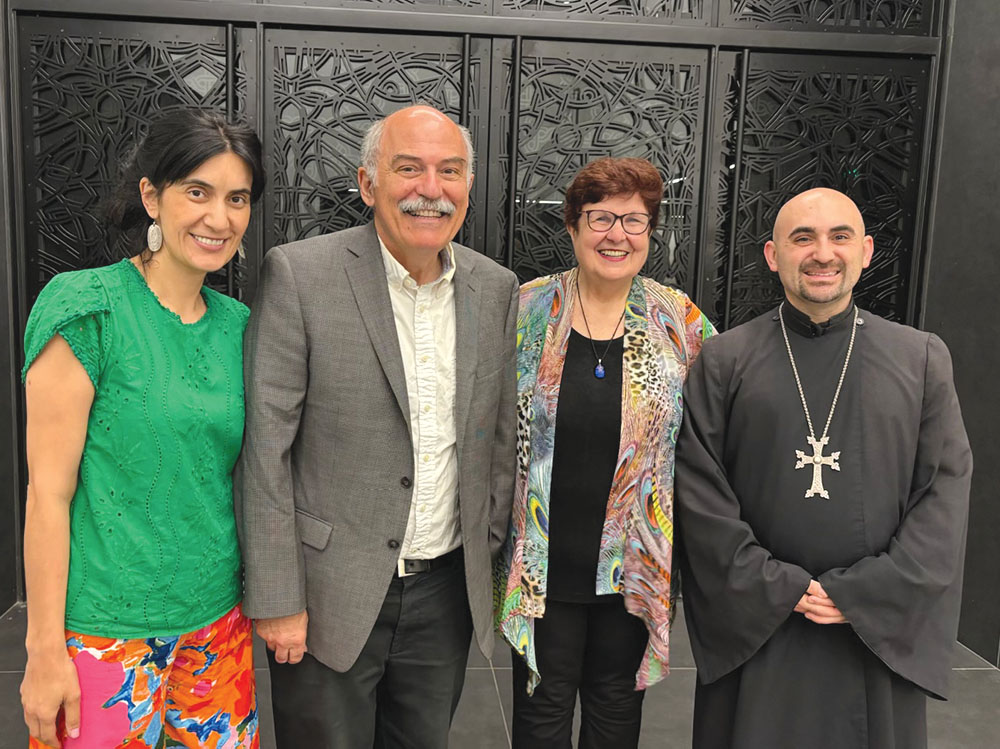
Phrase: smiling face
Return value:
(818, 249)
(204, 215)
(420, 191)
(611, 256)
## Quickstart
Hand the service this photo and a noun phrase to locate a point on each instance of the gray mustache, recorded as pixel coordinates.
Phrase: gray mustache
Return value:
(441, 205)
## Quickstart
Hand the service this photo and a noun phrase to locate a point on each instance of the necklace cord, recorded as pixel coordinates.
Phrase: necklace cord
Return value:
(590, 336)
(795, 371)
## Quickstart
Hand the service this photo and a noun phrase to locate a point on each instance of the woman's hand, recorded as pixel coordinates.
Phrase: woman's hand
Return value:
(51, 684)
(59, 395)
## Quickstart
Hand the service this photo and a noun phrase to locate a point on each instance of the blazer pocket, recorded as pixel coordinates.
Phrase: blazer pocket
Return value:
(312, 531)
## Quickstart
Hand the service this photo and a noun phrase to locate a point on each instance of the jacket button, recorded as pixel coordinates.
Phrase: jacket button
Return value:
(393, 543)
(405, 482)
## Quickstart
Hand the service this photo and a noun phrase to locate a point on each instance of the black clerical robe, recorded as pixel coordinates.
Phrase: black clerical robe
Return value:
(887, 546)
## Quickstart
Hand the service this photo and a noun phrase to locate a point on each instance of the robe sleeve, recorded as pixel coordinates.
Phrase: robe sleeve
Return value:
(904, 603)
(735, 593)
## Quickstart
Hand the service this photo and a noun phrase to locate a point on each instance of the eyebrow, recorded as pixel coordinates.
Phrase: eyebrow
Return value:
(409, 157)
(802, 230)
(812, 230)
(202, 183)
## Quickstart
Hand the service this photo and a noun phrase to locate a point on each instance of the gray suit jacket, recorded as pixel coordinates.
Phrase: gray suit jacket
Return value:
(324, 483)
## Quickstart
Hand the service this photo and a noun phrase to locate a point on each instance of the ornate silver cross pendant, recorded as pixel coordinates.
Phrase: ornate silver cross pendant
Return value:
(817, 460)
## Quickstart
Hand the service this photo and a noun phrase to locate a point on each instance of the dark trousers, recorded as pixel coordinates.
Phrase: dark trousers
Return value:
(402, 691)
(591, 648)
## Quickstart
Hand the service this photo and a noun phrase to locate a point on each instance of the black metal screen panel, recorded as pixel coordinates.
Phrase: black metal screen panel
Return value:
(854, 125)
(450, 6)
(579, 102)
(648, 11)
(88, 91)
(323, 90)
(872, 16)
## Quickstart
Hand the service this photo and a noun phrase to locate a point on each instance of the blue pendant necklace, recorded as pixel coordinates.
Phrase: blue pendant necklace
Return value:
(599, 371)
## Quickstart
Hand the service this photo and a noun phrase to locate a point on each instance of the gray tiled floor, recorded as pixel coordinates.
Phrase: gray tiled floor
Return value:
(967, 721)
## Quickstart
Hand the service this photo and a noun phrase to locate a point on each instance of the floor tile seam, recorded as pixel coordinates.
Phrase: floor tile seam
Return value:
(503, 713)
(977, 656)
(17, 605)
(674, 668)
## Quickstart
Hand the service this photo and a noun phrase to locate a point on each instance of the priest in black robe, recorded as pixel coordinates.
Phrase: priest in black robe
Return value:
(821, 558)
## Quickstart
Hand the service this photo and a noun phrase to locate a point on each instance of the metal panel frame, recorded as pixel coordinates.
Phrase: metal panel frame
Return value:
(392, 20)
(11, 411)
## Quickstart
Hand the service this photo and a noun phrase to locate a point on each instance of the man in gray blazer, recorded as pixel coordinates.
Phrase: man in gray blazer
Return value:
(376, 479)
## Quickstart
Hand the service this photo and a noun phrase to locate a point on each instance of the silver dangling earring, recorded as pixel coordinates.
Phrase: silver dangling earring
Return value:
(154, 237)
(241, 251)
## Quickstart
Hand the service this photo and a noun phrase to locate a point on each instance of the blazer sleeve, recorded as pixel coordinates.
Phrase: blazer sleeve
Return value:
(504, 442)
(276, 357)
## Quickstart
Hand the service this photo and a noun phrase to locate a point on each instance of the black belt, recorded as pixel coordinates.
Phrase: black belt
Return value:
(406, 567)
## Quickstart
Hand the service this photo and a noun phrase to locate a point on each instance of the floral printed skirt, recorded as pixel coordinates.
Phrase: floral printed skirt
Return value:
(193, 690)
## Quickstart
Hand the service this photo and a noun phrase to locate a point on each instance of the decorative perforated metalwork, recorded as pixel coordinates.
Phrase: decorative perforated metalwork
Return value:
(852, 126)
(581, 102)
(880, 16)
(662, 11)
(324, 90)
(479, 6)
(90, 96)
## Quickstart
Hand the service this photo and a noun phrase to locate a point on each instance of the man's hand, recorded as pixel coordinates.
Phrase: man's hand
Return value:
(285, 635)
(818, 607)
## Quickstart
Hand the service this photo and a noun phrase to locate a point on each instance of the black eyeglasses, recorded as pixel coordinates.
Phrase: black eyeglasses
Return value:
(632, 223)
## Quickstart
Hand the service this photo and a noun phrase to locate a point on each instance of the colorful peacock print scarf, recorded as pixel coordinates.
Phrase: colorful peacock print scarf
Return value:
(664, 331)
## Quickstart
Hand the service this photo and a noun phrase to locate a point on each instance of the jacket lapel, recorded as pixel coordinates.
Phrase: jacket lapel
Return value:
(466, 343)
(366, 274)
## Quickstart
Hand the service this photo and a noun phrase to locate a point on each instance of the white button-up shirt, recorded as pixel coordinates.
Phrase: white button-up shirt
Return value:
(425, 326)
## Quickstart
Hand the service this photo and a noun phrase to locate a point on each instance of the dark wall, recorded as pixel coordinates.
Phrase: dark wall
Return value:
(963, 274)
(10, 506)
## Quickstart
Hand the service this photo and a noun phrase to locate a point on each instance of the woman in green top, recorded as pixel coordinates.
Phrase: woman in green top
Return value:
(133, 377)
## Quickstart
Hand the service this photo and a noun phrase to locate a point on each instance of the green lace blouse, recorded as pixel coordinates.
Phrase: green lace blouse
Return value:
(153, 547)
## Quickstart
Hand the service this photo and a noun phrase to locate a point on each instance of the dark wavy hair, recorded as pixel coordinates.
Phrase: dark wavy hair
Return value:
(610, 178)
(176, 144)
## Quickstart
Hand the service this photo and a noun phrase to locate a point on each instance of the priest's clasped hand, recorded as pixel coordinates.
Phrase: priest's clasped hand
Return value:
(818, 607)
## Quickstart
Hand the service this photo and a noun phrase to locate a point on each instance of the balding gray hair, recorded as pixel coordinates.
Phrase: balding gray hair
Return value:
(373, 140)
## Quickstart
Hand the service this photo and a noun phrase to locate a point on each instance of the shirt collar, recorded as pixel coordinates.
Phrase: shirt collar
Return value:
(800, 322)
(398, 275)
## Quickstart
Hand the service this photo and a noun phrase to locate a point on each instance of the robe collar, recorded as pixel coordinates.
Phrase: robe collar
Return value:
(799, 322)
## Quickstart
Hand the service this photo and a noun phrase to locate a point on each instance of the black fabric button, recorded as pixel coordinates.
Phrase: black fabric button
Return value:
(393, 543)
(405, 481)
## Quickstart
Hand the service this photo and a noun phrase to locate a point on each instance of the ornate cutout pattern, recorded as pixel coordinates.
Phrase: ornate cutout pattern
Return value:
(323, 97)
(857, 129)
(91, 94)
(610, 103)
(880, 16)
(663, 11)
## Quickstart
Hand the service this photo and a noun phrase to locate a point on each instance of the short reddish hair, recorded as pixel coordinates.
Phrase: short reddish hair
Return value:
(611, 178)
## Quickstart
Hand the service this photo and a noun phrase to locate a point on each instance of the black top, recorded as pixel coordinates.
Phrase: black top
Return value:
(588, 434)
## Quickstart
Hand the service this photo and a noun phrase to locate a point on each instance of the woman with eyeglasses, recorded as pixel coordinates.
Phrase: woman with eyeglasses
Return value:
(583, 586)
